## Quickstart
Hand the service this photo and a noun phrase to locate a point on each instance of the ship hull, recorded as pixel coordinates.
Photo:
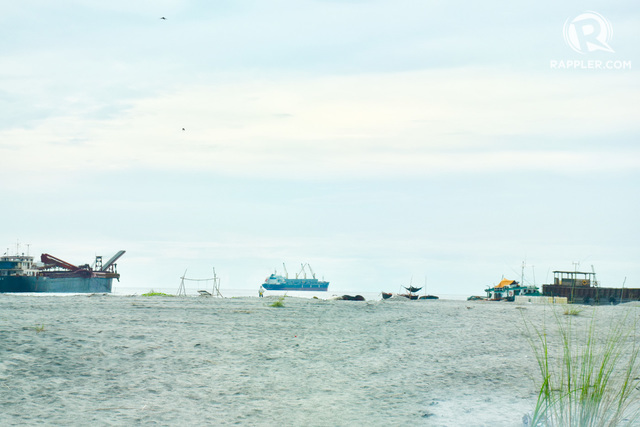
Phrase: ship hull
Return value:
(276, 282)
(592, 295)
(55, 284)
(317, 288)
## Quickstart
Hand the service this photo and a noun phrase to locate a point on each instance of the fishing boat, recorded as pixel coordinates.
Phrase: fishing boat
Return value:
(411, 294)
(508, 289)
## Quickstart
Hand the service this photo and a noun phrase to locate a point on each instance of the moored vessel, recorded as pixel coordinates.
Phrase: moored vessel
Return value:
(508, 289)
(581, 287)
(412, 294)
(20, 273)
(301, 282)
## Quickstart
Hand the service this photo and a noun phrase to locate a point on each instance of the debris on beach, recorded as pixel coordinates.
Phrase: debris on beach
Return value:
(349, 298)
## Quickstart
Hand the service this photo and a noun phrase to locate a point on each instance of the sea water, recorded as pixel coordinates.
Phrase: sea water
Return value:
(123, 360)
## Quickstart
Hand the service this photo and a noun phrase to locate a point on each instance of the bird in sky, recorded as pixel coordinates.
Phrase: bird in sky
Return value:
(164, 18)
(183, 129)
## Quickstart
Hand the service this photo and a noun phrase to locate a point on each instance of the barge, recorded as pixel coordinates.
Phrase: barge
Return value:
(581, 287)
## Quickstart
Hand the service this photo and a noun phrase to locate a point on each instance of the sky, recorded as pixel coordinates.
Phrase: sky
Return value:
(382, 142)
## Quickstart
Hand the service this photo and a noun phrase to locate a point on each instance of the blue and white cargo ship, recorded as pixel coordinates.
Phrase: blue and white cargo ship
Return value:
(276, 282)
(19, 273)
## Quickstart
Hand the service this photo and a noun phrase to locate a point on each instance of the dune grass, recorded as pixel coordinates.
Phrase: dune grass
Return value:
(589, 375)
(572, 311)
(152, 293)
(278, 303)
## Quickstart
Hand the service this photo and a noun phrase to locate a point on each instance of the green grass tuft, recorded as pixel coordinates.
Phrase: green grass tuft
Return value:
(278, 303)
(588, 376)
(152, 293)
(572, 311)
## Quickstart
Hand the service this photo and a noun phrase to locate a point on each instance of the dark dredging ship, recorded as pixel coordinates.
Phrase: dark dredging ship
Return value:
(19, 273)
(582, 288)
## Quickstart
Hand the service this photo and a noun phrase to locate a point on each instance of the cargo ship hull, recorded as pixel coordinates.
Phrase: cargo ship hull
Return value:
(297, 285)
(55, 284)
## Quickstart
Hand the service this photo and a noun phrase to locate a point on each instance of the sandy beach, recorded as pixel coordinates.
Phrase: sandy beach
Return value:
(126, 360)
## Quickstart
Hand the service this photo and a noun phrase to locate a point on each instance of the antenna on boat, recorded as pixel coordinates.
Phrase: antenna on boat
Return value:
(533, 272)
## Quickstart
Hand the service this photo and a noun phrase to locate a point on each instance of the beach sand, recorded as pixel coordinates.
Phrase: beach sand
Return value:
(123, 360)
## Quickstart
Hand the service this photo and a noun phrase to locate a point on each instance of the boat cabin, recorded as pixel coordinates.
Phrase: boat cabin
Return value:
(17, 265)
(574, 278)
(509, 289)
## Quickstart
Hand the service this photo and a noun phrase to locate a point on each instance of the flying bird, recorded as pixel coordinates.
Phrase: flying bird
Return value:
(164, 18)
(183, 129)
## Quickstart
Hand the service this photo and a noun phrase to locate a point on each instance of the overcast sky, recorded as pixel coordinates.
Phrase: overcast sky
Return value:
(381, 141)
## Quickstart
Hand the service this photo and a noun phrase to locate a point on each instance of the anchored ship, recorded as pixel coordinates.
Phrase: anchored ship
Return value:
(276, 282)
(19, 273)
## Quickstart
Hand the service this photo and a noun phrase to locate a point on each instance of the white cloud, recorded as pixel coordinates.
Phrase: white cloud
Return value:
(396, 123)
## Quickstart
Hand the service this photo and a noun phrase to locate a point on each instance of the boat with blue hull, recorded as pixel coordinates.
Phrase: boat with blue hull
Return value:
(20, 273)
(277, 282)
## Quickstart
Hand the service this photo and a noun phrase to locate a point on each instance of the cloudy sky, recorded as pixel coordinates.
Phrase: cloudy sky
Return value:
(381, 141)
